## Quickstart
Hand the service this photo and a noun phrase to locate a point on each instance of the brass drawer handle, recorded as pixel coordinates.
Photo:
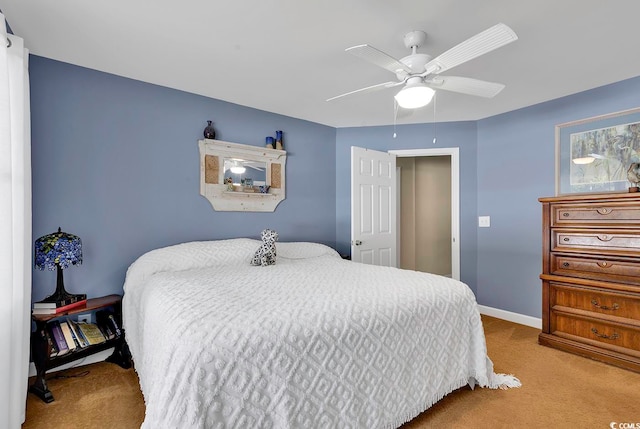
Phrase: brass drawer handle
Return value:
(565, 264)
(604, 264)
(614, 307)
(565, 214)
(605, 336)
(605, 237)
(604, 211)
(565, 239)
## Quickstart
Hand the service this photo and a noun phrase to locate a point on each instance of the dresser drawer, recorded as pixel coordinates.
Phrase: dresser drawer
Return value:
(607, 241)
(612, 336)
(595, 268)
(608, 213)
(599, 301)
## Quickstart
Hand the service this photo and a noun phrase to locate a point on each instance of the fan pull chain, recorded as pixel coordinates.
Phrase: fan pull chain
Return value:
(435, 97)
(395, 115)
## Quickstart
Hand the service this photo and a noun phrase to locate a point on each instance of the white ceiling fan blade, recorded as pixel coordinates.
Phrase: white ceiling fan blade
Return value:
(379, 58)
(465, 85)
(368, 89)
(480, 44)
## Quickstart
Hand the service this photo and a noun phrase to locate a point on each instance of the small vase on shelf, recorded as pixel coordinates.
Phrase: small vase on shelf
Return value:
(269, 142)
(209, 132)
(279, 143)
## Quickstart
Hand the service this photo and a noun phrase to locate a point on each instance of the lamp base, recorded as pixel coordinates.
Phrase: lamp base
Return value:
(64, 298)
(61, 297)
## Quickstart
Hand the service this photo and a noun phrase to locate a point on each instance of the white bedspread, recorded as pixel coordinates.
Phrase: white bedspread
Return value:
(311, 342)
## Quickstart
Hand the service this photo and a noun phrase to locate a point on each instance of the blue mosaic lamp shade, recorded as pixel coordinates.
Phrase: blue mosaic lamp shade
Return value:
(59, 249)
(56, 252)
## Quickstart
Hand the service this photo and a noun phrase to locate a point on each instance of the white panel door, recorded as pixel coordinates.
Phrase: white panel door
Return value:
(373, 207)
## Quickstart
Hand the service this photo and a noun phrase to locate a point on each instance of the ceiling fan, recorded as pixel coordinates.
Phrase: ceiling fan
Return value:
(420, 73)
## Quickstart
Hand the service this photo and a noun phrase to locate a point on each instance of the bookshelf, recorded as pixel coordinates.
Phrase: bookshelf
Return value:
(41, 349)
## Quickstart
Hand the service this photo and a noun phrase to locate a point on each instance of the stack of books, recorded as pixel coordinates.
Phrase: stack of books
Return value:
(46, 306)
(66, 335)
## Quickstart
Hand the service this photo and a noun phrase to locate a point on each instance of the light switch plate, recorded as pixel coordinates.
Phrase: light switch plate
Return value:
(484, 221)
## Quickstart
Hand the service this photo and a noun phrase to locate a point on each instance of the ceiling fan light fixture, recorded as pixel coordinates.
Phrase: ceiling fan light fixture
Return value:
(414, 96)
(236, 168)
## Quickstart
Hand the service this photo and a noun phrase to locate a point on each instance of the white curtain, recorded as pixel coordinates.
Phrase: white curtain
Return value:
(15, 228)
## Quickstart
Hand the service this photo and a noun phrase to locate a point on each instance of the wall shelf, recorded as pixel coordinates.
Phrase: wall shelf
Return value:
(241, 193)
(216, 154)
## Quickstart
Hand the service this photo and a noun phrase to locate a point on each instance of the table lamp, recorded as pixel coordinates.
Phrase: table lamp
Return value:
(57, 251)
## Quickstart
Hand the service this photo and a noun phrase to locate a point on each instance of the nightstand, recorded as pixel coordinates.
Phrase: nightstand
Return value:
(41, 349)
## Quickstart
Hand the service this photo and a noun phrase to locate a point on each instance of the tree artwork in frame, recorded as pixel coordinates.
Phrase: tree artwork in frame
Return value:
(594, 154)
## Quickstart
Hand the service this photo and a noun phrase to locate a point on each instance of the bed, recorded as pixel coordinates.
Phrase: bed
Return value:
(313, 341)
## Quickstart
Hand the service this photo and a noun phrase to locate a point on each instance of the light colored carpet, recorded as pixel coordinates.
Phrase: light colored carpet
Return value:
(559, 390)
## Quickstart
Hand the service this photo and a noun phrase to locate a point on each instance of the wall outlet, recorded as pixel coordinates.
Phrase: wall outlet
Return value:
(484, 221)
(84, 317)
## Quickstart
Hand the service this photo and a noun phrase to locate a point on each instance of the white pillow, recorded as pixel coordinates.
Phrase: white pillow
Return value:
(303, 250)
(195, 254)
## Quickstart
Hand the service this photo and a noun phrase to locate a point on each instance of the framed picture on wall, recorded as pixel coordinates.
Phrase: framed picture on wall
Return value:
(594, 154)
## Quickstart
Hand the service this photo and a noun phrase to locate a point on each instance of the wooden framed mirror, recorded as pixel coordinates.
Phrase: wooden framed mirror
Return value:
(238, 177)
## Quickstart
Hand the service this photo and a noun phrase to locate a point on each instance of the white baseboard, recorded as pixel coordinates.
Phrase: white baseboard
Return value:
(522, 319)
(94, 358)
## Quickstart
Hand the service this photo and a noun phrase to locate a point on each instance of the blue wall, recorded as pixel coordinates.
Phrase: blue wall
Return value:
(420, 136)
(116, 162)
(506, 163)
(516, 166)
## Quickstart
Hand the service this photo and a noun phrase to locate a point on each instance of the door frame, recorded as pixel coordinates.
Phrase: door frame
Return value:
(454, 153)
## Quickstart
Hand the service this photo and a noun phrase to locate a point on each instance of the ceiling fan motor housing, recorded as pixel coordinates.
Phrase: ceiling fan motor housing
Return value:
(415, 62)
(415, 39)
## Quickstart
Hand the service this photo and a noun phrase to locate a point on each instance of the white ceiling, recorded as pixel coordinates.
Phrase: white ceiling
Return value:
(287, 56)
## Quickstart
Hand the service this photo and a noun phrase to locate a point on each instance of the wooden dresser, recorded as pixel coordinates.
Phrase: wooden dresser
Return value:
(591, 276)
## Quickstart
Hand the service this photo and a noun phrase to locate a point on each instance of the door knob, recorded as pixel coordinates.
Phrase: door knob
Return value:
(357, 242)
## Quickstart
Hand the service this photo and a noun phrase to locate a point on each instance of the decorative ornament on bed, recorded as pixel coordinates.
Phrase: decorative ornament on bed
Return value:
(266, 253)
